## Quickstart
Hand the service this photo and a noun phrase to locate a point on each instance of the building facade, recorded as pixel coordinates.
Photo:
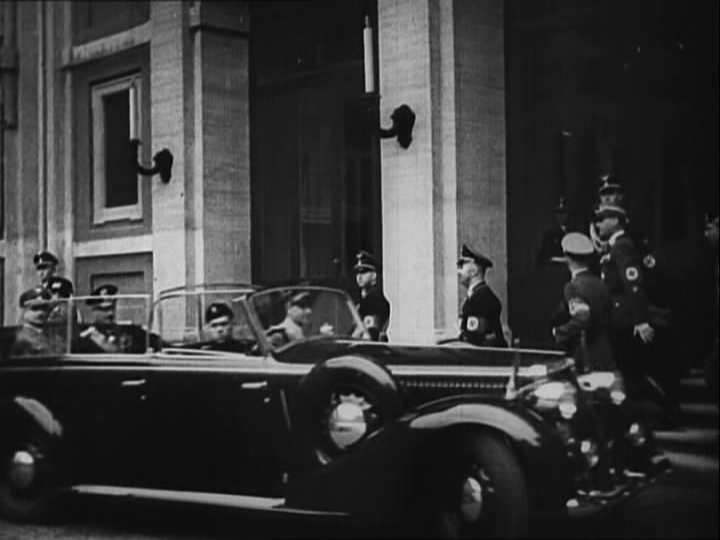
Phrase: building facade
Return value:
(279, 171)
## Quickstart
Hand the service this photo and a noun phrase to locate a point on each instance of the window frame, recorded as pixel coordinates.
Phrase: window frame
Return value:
(100, 212)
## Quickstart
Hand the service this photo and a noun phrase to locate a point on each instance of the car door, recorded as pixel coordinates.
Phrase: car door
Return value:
(101, 403)
(218, 422)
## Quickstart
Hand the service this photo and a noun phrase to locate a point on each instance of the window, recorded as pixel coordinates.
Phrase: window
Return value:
(115, 120)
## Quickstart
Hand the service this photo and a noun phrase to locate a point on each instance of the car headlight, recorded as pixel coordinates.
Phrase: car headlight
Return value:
(558, 395)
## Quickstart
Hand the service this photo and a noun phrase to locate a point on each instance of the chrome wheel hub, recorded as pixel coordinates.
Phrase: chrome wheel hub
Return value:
(22, 471)
(347, 422)
(476, 490)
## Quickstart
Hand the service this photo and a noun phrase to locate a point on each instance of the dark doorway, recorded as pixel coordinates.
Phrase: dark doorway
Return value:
(315, 159)
(628, 88)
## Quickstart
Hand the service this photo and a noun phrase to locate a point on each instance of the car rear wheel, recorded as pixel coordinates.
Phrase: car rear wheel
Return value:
(26, 487)
(489, 495)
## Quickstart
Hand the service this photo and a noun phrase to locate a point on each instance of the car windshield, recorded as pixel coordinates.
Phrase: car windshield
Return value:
(206, 319)
(291, 314)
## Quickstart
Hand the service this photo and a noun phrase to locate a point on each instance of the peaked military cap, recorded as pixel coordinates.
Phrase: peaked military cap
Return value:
(610, 210)
(299, 298)
(44, 258)
(609, 184)
(577, 244)
(60, 286)
(34, 295)
(217, 310)
(468, 255)
(100, 292)
(365, 262)
(560, 208)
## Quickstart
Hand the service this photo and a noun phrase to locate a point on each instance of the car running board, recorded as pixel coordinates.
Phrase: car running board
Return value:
(245, 502)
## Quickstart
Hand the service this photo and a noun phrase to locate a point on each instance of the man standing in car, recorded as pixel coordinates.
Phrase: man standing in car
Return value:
(373, 307)
(480, 313)
(32, 339)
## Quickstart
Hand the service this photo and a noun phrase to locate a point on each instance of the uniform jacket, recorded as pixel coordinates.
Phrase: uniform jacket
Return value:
(480, 318)
(31, 341)
(622, 271)
(587, 290)
(374, 311)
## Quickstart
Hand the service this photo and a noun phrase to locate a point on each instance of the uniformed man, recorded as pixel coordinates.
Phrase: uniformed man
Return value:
(46, 266)
(296, 324)
(631, 331)
(587, 301)
(373, 307)
(103, 334)
(32, 339)
(550, 248)
(218, 320)
(60, 289)
(480, 312)
(610, 192)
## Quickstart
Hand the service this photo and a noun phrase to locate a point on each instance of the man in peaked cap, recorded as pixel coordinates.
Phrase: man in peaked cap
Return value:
(103, 334)
(584, 334)
(32, 339)
(298, 306)
(373, 307)
(480, 313)
(46, 266)
(550, 250)
(610, 191)
(218, 320)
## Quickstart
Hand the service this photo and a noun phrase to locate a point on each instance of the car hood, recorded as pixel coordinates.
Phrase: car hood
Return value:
(316, 350)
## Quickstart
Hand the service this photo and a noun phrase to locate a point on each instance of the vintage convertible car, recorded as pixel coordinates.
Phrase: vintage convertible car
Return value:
(292, 411)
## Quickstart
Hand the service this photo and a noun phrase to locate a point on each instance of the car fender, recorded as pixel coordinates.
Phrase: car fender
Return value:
(388, 471)
(540, 449)
(27, 415)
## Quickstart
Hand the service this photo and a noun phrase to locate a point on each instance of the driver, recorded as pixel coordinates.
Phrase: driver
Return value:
(296, 324)
(218, 319)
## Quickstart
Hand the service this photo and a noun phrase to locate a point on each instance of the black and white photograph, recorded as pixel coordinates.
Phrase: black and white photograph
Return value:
(359, 269)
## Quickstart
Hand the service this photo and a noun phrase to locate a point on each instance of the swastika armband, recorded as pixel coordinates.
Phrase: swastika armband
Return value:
(473, 324)
(370, 321)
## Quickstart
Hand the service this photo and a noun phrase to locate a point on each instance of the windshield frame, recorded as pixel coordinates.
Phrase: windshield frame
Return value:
(262, 336)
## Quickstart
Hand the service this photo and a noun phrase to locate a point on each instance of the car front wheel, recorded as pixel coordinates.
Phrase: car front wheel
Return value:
(26, 491)
(489, 495)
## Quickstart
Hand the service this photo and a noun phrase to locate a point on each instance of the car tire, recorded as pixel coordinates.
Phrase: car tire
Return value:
(489, 498)
(362, 379)
(25, 495)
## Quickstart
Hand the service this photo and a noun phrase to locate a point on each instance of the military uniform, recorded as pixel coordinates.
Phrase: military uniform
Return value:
(288, 330)
(480, 312)
(587, 302)
(550, 248)
(373, 307)
(215, 312)
(32, 339)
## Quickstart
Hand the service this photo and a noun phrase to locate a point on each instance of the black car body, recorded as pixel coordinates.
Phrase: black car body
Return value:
(438, 439)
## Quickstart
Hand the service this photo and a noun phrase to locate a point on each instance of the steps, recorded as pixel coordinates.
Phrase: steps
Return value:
(692, 447)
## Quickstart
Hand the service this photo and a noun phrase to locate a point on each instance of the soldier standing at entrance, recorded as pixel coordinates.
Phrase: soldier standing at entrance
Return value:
(585, 334)
(550, 248)
(46, 266)
(373, 307)
(480, 312)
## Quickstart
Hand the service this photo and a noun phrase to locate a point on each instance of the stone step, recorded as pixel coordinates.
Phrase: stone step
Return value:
(694, 389)
(693, 440)
(700, 414)
(693, 470)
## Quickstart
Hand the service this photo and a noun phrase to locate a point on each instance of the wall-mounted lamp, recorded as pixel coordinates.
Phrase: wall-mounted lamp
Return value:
(163, 162)
(403, 120)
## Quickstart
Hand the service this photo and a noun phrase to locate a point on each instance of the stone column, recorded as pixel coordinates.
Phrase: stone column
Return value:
(220, 213)
(445, 60)
(170, 96)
